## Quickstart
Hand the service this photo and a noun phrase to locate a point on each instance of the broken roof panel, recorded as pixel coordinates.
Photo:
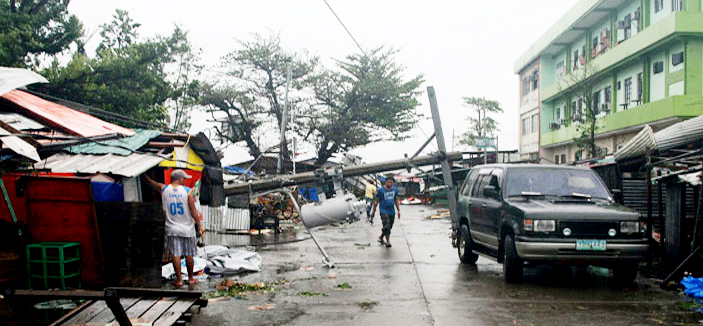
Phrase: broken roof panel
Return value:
(72, 121)
(11, 78)
(127, 166)
(20, 122)
(18, 145)
(122, 146)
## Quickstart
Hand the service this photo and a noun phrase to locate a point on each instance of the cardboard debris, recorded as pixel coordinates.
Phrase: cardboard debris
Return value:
(440, 214)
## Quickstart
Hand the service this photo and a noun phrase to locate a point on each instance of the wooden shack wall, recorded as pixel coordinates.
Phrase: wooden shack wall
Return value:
(133, 241)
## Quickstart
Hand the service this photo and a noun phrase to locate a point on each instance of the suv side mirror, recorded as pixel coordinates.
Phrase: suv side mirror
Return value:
(490, 192)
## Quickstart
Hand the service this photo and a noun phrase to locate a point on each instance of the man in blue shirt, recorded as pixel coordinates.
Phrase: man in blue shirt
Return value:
(387, 199)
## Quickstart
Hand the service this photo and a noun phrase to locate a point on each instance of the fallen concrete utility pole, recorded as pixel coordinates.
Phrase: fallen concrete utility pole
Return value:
(347, 171)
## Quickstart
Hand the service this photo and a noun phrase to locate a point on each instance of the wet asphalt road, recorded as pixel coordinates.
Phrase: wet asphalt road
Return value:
(419, 281)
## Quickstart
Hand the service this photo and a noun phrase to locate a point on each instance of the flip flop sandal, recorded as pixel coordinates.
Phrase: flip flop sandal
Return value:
(388, 245)
(381, 241)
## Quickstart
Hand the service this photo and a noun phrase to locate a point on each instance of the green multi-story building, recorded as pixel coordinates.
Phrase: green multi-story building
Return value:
(645, 59)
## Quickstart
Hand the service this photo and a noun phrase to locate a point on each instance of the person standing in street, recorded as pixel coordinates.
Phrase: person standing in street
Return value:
(387, 199)
(181, 222)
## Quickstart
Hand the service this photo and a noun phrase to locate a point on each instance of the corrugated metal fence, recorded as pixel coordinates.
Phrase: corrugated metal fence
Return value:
(223, 219)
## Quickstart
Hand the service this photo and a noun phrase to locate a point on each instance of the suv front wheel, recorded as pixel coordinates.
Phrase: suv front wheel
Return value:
(513, 267)
(464, 246)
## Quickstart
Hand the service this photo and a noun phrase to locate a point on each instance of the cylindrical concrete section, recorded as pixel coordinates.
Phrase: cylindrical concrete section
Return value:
(334, 210)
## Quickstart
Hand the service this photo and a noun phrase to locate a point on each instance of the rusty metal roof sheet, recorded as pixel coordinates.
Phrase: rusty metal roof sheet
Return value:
(70, 120)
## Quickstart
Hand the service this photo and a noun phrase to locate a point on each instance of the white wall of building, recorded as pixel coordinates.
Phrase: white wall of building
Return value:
(657, 81)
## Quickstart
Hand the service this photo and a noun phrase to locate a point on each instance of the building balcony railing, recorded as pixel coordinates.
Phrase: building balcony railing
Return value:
(683, 106)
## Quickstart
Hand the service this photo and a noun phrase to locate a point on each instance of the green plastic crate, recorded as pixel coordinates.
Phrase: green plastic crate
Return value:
(54, 263)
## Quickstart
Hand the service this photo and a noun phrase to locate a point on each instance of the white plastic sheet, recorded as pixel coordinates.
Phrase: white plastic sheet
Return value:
(222, 260)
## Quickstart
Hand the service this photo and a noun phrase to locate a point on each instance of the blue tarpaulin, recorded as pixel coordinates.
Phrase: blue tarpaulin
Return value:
(309, 193)
(239, 170)
(107, 191)
(693, 286)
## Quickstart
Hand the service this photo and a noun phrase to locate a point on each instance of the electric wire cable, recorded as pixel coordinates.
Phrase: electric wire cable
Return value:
(346, 29)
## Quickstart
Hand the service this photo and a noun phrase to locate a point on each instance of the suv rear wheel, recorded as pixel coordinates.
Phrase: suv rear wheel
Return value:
(464, 246)
(513, 267)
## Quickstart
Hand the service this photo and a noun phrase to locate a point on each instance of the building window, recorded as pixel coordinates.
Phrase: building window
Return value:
(557, 116)
(628, 26)
(556, 159)
(658, 67)
(639, 87)
(535, 79)
(526, 126)
(576, 60)
(628, 90)
(658, 5)
(594, 47)
(607, 95)
(535, 123)
(560, 71)
(526, 82)
(596, 102)
(677, 58)
(563, 158)
(676, 5)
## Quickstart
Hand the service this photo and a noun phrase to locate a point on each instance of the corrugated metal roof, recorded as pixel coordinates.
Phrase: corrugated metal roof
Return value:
(11, 78)
(20, 122)
(75, 122)
(127, 166)
(638, 145)
(122, 146)
(680, 134)
(19, 146)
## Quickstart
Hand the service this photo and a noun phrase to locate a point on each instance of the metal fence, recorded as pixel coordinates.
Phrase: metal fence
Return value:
(223, 219)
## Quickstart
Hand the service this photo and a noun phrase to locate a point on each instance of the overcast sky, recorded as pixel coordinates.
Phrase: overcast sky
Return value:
(463, 48)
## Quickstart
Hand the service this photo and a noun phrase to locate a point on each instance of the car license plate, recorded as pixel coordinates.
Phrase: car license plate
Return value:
(592, 245)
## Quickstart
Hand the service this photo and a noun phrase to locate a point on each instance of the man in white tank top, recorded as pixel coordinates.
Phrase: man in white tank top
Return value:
(181, 221)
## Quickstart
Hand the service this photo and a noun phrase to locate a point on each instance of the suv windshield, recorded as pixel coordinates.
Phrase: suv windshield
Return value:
(554, 182)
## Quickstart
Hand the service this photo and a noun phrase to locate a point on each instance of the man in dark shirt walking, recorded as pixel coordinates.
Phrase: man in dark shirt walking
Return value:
(387, 199)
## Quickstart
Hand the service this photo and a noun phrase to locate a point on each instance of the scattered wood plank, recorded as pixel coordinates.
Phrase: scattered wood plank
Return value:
(140, 307)
(158, 309)
(170, 316)
(107, 316)
(91, 311)
(72, 313)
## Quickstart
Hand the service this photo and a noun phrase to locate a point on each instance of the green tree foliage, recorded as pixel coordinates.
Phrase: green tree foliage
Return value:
(583, 83)
(127, 77)
(30, 28)
(258, 71)
(367, 101)
(483, 125)
(242, 115)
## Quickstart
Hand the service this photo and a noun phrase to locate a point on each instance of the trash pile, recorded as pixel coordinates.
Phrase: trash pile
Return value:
(218, 260)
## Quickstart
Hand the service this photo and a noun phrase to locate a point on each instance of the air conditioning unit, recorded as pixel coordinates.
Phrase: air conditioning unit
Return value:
(553, 126)
(603, 107)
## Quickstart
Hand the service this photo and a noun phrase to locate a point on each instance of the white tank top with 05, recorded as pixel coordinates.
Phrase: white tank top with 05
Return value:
(179, 222)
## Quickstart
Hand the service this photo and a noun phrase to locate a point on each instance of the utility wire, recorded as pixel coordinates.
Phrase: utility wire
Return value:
(346, 29)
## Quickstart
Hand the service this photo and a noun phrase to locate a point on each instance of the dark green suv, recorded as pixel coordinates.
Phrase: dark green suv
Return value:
(525, 214)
